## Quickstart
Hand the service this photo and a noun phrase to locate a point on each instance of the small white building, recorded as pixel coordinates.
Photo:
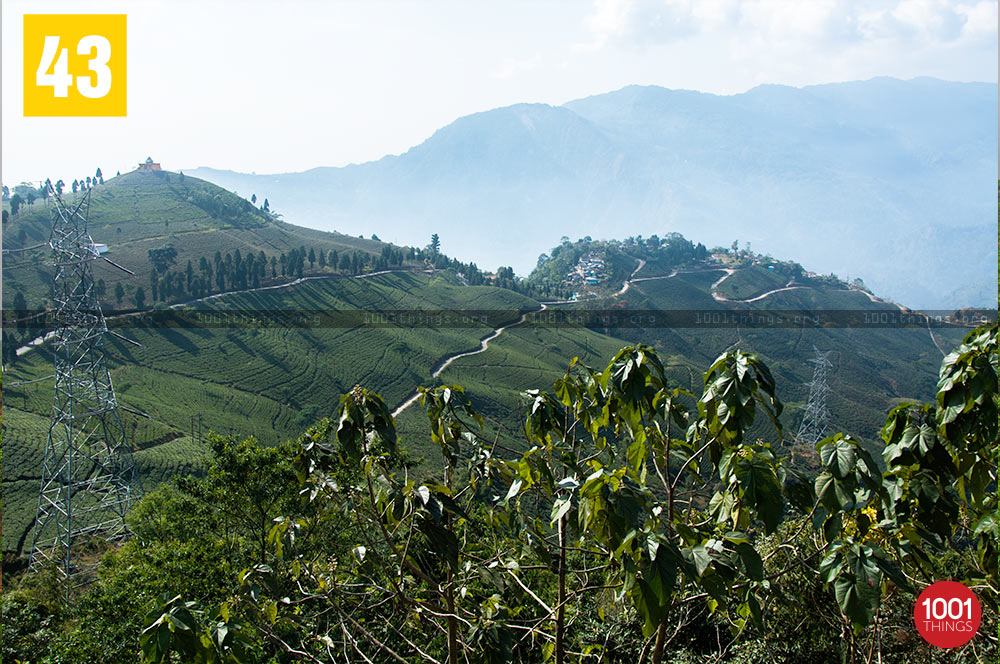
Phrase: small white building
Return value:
(100, 248)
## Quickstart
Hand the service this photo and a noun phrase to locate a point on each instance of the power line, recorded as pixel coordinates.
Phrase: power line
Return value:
(34, 246)
(29, 382)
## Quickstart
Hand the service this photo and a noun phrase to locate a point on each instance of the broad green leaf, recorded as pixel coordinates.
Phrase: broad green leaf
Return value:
(855, 598)
(559, 509)
(636, 454)
(761, 489)
(515, 487)
(699, 557)
(750, 561)
(838, 456)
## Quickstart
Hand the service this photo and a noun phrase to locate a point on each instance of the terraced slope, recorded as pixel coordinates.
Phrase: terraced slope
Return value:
(136, 212)
(267, 382)
(874, 368)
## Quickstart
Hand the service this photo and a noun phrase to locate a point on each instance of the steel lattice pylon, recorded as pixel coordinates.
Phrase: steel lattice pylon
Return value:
(814, 422)
(88, 474)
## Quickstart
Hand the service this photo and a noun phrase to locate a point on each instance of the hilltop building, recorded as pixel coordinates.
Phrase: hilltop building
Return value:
(149, 165)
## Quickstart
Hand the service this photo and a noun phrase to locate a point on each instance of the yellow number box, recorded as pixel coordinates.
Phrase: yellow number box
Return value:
(74, 65)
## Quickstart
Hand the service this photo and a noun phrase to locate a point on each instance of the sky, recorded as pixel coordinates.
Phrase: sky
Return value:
(271, 87)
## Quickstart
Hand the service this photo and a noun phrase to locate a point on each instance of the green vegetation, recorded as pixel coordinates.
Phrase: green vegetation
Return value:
(875, 367)
(268, 382)
(552, 270)
(271, 382)
(141, 215)
(636, 522)
(218, 406)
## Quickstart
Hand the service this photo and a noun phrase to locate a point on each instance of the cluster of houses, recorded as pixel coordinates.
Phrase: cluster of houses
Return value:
(589, 270)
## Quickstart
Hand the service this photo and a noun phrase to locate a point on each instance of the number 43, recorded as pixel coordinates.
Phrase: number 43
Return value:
(60, 79)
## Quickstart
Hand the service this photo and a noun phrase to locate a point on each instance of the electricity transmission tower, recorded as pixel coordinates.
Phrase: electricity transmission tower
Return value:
(814, 422)
(89, 479)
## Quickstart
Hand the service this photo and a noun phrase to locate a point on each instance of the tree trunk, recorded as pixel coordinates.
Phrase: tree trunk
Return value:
(452, 624)
(450, 593)
(561, 606)
(661, 640)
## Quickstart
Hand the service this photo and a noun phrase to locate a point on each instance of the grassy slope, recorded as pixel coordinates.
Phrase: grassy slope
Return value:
(522, 358)
(270, 383)
(751, 282)
(273, 382)
(136, 212)
(24, 446)
(873, 368)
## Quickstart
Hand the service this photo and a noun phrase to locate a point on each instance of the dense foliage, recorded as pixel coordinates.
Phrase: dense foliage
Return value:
(639, 522)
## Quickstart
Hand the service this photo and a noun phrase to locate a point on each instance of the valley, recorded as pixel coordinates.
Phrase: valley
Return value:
(272, 382)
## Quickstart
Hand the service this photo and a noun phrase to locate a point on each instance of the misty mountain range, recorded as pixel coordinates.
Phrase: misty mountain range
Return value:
(888, 180)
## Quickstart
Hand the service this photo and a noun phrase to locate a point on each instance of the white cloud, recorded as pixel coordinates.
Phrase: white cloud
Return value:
(741, 43)
(815, 22)
(981, 20)
(931, 18)
(932, 21)
(641, 23)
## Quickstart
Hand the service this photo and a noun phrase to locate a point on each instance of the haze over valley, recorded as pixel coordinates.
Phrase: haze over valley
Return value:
(888, 180)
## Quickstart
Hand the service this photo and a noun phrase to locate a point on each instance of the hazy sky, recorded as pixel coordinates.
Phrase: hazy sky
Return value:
(286, 86)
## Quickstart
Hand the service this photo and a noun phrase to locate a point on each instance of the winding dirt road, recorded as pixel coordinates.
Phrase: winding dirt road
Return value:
(483, 345)
(38, 341)
(628, 282)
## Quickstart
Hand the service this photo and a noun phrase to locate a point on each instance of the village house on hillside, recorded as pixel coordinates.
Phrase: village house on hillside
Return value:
(148, 165)
(589, 269)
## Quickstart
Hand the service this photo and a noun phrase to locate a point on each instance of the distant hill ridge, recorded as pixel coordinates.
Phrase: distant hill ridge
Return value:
(885, 179)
